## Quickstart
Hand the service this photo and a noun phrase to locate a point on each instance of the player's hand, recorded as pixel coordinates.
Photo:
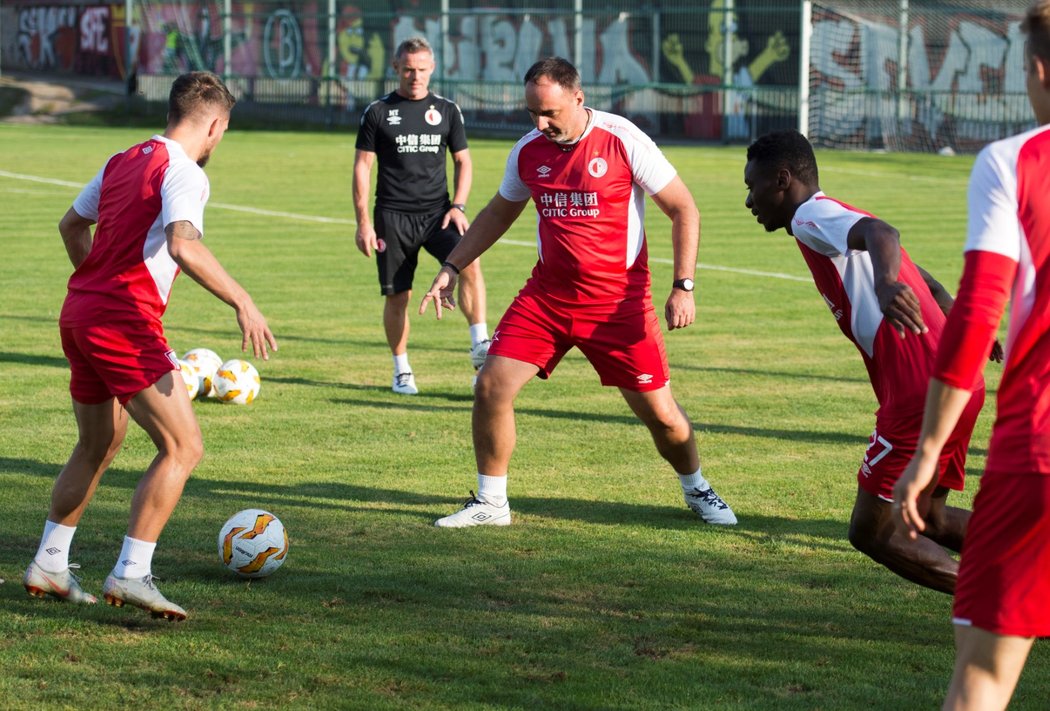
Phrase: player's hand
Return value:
(441, 293)
(909, 489)
(456, 217)
(997, 352)
(256, 331)
(366, 239)
(901, 307)
(680, 309)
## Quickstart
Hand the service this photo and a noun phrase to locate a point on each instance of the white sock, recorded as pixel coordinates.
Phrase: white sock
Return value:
(478, 332)
(492, 489)
(401, 364)
(692, 481)
(53, 553)
(136, 558)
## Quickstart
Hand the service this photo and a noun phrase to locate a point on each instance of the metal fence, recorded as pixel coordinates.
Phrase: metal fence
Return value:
(865, 74)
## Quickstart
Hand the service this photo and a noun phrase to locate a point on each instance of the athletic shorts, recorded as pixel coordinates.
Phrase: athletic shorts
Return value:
(893, 444)
(117, 360)
(400, 236)
(1004, 574)
(626, 347)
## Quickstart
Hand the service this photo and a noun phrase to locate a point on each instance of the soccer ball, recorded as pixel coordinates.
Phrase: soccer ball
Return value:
(253, 543)
(189, 377)
(236, 381)
(205, 362)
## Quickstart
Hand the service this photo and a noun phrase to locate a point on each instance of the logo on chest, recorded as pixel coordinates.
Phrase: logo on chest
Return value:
(393, 117)
(432, 116)
(597, 167)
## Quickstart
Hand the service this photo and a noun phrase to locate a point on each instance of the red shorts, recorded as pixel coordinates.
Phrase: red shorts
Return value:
(119, 360)
(893, 444)
(1004, 574)
(626, 347)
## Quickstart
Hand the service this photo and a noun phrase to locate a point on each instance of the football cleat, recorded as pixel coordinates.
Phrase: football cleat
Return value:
(710, 507)
(476, 512)
(141, 592)
(479, 352)
(405, 384)
(63, 584)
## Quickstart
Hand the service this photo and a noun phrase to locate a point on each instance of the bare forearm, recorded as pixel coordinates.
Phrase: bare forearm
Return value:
(76, 236)
(490, 224)
(463, 178)
(944, 407)
(685, 239)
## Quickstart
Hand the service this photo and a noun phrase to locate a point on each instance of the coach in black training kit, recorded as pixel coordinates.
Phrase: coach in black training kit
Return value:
(410, 131)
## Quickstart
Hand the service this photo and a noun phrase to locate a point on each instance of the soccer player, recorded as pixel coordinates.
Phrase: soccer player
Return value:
(1001, 601)
(148, 203)
(588, 173)
(893, 311)
(410, 130)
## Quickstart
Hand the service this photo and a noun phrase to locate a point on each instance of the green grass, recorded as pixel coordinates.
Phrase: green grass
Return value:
(605, 594)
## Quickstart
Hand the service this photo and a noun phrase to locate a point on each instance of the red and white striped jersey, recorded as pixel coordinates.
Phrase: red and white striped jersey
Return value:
(1008, 256)
(590, 207)
(128, 273)
(899, 368)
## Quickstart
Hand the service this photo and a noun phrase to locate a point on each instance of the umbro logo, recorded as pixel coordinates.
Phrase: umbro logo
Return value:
(53, 551)
(645, 378)
(543, 171)
(393, 117)
(481, 516)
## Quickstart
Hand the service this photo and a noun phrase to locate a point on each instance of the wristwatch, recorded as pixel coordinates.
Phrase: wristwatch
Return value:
(686, 284)
(459, 206)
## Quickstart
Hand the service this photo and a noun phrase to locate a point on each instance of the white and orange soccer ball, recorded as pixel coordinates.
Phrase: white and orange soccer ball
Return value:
(237, 381)
(205, 363)
(189, 377)
(253, 543)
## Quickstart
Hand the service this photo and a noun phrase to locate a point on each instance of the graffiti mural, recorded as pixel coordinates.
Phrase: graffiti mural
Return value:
(47, 37)
(964, 76)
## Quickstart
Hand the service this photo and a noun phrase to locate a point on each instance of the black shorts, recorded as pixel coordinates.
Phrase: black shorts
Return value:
(400, 235)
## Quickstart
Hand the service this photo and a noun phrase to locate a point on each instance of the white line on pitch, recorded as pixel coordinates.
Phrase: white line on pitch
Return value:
(343, 221)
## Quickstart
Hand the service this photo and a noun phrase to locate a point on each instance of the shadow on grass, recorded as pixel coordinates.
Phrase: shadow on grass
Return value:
(29, 359)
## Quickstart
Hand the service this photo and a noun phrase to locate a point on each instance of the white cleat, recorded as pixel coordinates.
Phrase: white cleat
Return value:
(63, 584)
(710, 507)
(405, 384)
(476, 512)
(479, 353)
(141, 592)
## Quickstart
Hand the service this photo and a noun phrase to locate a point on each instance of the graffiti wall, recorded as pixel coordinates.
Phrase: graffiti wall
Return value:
(86, 39)
(709, 69)
(963, 78)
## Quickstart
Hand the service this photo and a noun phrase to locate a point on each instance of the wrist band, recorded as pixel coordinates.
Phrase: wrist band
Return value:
(459, 206)
(451, 266)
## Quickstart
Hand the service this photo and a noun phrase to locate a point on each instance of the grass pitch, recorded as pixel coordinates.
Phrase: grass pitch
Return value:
(606, 593)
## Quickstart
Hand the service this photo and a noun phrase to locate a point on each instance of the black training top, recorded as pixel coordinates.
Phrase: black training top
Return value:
(410, 139)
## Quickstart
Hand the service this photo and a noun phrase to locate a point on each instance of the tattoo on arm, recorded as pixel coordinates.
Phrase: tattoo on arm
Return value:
(182, 229)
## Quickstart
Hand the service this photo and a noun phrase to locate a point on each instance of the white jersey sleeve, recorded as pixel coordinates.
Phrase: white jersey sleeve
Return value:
(184, 193)
(649, 167)
(86, 204)
(992, 196)
(513, 188)
(823, 225)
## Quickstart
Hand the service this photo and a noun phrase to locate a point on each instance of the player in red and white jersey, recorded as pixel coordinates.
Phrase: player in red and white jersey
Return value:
(588, 173)
(148, 205)
(893, 312)
(1001, 602)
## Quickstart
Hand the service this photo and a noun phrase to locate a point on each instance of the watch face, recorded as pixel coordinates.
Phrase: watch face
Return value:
(685, 284)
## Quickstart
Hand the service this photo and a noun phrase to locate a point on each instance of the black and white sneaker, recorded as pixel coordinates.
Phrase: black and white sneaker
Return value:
(476, 512)
(709, 506)
(405, 384)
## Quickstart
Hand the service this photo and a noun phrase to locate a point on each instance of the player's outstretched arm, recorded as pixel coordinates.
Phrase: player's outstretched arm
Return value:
(490, 224)
(76, 235)
(898, 302)
(186, 248)
(677, 203)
